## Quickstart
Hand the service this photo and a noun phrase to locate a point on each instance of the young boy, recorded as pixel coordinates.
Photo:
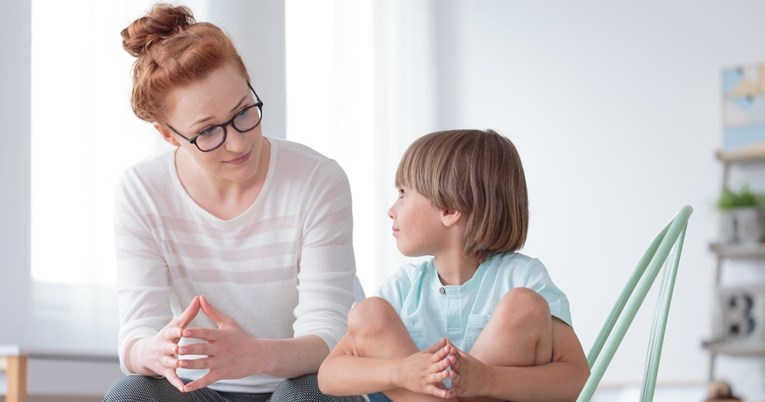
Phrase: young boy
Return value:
(478, 319)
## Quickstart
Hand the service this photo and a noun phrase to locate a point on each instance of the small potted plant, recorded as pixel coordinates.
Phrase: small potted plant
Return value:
(741, 220)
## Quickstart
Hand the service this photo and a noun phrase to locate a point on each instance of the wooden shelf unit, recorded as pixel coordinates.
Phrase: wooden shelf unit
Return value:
(723, 252)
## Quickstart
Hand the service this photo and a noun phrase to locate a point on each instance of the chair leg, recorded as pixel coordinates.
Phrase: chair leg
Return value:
(16, 371)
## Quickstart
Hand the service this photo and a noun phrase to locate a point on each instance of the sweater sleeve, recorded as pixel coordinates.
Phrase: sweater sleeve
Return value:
(327, 265)
(143, 286)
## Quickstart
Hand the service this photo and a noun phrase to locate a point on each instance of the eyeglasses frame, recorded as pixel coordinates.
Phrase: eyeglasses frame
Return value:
(230, 122)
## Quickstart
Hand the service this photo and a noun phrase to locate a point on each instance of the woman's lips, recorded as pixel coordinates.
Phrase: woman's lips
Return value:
(241, 159)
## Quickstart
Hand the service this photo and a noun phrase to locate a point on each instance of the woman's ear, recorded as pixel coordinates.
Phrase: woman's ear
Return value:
(450, 217)
(166, 134)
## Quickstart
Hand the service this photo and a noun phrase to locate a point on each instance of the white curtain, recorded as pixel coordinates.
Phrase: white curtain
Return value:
(361, 85)
(84, 134)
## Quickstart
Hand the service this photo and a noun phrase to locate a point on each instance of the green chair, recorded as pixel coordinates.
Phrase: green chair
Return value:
(664, 252)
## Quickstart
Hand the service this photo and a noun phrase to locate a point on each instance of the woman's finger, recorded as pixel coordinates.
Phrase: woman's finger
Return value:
(169, 348)
(201, 363)
(173, 379)
(169, 362)
(198, 348)
(201, 382)
(206, 334)
(215, 315)
(191, 311)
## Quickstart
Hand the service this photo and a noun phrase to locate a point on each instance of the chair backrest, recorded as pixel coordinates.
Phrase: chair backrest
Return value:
(664, 252)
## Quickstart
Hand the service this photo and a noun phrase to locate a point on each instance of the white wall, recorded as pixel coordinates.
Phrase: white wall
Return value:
(616, 110)
(15, 38)
(257, 28)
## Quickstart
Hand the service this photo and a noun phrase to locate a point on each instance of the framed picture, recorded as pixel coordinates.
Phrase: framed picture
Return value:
(743, 90)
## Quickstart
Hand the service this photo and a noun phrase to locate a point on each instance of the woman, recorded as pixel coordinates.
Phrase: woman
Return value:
(235, 262)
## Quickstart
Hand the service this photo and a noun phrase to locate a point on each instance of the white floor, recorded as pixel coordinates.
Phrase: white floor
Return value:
(663, 394)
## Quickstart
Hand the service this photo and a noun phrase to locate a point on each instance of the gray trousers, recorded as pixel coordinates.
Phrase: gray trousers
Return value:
(148, 389)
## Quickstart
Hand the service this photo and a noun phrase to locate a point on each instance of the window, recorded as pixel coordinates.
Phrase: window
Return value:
(83, 135)
(361, 87)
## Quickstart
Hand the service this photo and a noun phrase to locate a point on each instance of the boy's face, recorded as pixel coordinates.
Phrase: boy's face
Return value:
(417, 224)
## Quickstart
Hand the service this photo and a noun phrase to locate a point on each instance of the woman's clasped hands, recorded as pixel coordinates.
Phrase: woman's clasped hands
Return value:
(218, 350)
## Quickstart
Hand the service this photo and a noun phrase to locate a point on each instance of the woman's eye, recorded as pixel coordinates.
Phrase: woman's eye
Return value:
(207, 133)
(401, 192)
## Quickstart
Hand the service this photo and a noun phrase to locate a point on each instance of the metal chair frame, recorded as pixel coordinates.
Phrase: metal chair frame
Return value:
(664, 252)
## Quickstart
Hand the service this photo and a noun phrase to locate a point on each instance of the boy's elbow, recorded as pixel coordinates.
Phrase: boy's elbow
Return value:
(325, 385)
(580, 380)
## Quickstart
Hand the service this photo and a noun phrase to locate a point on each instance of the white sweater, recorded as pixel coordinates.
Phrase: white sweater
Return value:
(283, 268)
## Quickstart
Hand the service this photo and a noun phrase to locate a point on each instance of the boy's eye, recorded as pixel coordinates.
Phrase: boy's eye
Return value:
(401, 192)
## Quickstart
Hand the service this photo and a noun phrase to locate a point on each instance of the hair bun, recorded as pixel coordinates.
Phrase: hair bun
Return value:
(161, 22)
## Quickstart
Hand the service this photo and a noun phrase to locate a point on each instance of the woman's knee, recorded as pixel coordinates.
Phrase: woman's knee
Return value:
(306, 389)
(135, 388)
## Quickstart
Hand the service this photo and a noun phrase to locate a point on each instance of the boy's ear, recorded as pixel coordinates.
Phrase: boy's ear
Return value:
(450, 217)
(166, 134)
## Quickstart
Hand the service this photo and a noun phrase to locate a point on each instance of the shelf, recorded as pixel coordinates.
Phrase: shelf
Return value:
(738, 250)
(750, 154)
(735, 348)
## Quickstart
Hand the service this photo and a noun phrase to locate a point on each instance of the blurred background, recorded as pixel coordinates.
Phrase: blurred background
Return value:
(616, 109)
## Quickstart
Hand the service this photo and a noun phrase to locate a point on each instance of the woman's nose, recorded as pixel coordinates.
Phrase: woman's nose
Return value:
(235, 141)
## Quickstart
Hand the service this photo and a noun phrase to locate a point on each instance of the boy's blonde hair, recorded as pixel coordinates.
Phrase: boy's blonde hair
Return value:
(478, 173)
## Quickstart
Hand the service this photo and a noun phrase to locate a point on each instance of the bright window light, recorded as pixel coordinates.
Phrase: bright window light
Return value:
(83, 135)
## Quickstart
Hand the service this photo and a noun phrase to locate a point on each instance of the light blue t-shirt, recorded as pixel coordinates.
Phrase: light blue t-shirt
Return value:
(431, 311)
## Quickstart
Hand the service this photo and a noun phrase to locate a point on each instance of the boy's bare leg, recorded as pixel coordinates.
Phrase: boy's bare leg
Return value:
(519, 333)
(377, 331)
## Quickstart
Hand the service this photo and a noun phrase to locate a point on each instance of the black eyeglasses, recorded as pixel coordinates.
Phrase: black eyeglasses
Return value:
(243, 121)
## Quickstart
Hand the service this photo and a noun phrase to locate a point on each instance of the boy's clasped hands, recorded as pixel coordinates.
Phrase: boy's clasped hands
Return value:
(444, 371)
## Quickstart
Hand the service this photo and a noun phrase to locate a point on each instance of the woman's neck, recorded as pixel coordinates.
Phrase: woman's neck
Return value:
(225, 199)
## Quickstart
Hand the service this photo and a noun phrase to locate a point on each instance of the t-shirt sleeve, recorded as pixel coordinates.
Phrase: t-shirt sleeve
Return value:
(397, 286)
(536, 277)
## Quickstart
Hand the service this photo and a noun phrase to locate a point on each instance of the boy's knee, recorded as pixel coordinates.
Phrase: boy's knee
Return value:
(522, 304)
(370, 315)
